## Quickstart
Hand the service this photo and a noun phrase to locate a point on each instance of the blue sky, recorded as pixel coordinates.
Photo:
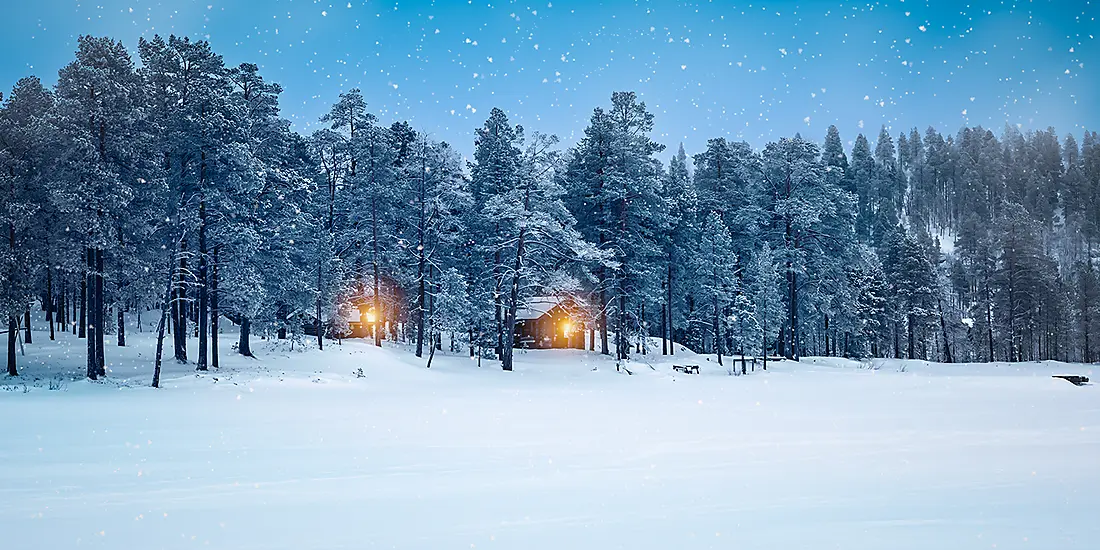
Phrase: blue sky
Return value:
(744, 70)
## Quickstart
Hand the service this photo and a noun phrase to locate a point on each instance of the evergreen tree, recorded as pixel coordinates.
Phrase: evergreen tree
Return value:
(614, 187)
(715, 269)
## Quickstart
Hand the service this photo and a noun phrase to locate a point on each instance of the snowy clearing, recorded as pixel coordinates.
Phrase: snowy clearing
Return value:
(293, 450)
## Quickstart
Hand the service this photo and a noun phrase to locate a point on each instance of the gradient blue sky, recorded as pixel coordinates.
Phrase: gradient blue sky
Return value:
(744, 70)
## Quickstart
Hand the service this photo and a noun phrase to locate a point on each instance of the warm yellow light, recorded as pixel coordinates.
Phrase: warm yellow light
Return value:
(567, 327)
(370, 317)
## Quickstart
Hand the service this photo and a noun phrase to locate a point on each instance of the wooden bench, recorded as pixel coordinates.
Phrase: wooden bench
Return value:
(1073, 379)
(686, 369)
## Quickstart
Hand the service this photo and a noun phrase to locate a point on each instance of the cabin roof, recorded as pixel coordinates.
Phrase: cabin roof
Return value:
(536, 307)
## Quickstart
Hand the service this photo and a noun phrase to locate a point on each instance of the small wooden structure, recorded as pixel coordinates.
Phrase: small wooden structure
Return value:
(546, 322)
(1074, 379)
(686, 369)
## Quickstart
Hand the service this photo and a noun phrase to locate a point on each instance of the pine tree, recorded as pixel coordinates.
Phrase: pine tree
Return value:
(100, 100)
(614, 187)
(715, 268)
(801, 204)
(765, 280)
(495, 171)
(23, 186)
(683, 204)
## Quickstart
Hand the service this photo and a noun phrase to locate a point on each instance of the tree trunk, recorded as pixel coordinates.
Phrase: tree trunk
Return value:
(100, 314)
(83, 316)
(243, 346)
(179, 315)
(671, 324)
(910, 335)
(497, 307)
(764, 334)
(27, 325)
(378, 318)
(431, 351)
(215, 312)
(89, 295)
(162, 324)
(792, 312)
(604, 348)
(420, 304)
(320, 294)
(664, 330)
(13, 333)
(989, 325)
(204, 304)
(281, 313)
(49, 299)
(75, 319)
(717, 331)
(943, 328)
(121, 327)
(513, 299)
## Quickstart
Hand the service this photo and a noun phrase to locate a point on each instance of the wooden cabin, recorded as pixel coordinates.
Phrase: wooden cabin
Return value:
(547, 322)
(361, 321)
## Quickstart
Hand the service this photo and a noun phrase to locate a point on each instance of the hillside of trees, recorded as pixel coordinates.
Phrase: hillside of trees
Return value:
(170, 185)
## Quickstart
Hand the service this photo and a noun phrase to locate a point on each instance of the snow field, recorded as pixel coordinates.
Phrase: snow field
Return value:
(294, 450)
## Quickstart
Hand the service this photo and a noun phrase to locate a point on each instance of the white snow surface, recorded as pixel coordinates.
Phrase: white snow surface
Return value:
(292, 450)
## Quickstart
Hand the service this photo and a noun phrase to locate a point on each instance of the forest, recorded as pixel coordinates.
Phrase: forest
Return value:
(170, 186)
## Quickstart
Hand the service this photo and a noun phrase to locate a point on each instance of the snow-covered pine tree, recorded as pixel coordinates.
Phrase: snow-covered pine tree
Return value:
(452, 307)
(615, 195)
(802, 206)
(495, 170)
(715, 269)
(24, 150)
(100, 101)
(683, 207)
(545, 252)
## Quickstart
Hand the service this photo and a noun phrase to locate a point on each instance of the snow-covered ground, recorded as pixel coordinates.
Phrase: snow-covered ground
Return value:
(293, 450)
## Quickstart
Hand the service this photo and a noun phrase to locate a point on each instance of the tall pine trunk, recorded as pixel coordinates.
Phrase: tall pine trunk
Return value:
(421, 264)
(420, 305)
(717, 330)
(282, 313)
(179, 313)
(498, 308)
(119, 305)
(671, 323)
(605, 349)
(13, 333)
(664, 330)
(121, 327)
(204, 304)
(214, 310)
(243, 346)
(13, 322)
(88, 309)
(320, 294)
(792, 313)
(27, 325)
(49, 299)
(82, 321)
(910, 335)
(379, 319)
(163, 323)
(622, 347)
(100, 314)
